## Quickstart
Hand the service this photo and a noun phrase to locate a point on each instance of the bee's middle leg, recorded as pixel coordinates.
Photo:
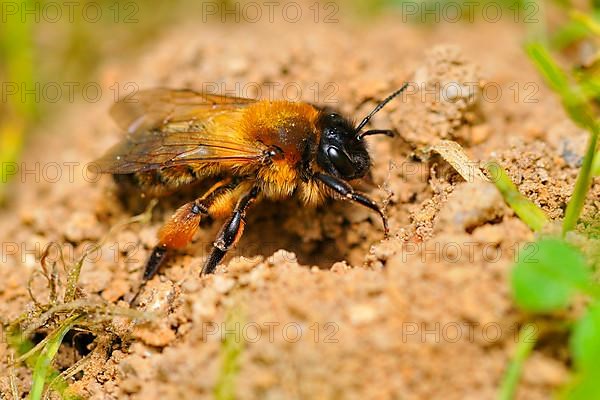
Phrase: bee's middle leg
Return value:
(230, 232)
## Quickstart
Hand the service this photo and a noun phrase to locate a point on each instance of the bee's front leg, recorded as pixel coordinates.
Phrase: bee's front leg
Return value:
(230, 233)
(347, 192)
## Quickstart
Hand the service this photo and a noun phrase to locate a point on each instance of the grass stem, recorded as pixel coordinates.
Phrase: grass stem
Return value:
(527, 340)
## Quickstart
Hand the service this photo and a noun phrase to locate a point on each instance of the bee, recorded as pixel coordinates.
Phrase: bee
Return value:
(253, 148)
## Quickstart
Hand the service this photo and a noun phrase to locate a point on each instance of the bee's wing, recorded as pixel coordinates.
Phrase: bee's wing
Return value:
(152, 108)
(149, 150)
(166, 128)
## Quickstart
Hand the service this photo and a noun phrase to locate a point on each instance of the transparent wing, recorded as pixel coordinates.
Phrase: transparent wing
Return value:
(155, 107)
(177, 127)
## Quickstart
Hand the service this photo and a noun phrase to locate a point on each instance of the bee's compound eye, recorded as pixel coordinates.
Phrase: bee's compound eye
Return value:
(340, 161)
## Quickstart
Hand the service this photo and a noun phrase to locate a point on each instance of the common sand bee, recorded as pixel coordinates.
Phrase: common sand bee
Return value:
(255, 148)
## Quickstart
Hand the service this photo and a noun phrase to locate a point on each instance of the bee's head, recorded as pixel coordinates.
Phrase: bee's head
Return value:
(342, 151)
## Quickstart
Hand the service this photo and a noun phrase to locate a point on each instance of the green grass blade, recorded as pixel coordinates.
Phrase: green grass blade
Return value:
(596, 166)
(527, 340)
(572, 99)
(590, 85)
(19, 342)
(567, 34)
(581, 112)
(582, 184)
(553, 74)
(44, 360)
(531, 214)
(587, 20)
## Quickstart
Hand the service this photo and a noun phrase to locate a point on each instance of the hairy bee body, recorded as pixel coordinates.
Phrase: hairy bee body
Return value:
(255, 149)
(287, 129)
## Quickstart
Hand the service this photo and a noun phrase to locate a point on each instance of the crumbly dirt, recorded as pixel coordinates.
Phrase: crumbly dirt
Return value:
(325, 307)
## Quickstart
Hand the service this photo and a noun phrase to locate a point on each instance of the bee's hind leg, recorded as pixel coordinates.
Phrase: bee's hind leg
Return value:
(179, 230)
(156, 259)
(230, 232)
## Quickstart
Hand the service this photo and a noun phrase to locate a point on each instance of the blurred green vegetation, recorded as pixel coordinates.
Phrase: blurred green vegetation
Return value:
(543, 283)
(232, 347)
(63, 43)
(582, 112)
(16, 49)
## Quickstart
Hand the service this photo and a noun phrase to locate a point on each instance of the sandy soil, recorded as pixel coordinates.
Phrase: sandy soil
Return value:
(338, 312)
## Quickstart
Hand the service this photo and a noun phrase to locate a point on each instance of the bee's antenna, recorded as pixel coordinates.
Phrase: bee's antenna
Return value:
(359, 136)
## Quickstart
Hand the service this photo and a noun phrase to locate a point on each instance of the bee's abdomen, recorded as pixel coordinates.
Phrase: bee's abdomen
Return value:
(163, 180)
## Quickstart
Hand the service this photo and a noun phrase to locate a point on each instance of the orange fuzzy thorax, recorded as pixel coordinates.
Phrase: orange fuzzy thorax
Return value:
(287, 126)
